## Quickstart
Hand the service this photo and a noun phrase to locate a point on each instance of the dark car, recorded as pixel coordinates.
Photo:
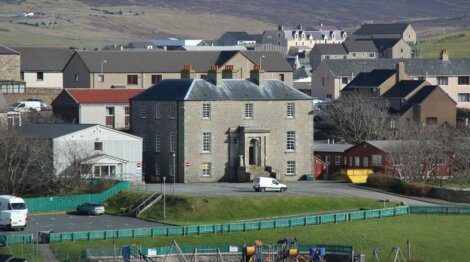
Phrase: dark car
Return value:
(91, 209)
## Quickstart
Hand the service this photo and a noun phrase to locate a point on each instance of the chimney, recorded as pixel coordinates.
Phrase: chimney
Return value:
(444, 55)
(400, 72)
(188, 72)
(228, 72)
(256, 75)
(280, 28)
(214, 76)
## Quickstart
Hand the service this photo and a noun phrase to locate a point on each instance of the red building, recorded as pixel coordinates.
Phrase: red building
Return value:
(332, 158)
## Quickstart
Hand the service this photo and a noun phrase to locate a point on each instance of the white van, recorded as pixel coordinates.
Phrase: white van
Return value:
(268, 184)
(13, 212)
(26, 106)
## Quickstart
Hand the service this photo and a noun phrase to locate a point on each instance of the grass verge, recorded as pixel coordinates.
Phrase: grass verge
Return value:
(433, 237)
(123, 200)
(187, 210)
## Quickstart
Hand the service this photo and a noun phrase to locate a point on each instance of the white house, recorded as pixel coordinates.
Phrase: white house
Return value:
(101, 151)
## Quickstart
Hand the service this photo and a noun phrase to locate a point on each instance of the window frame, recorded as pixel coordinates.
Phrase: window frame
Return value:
(158, 141)
(155, 79)
(172, 111)
(158, 111)
(249, 111)
(39, 76)
(290, 168)
(467, 95)
(130, 79)
(290, 110)
(98, 146)
(206, 111)
(143, 111)
(172, 142)
(206, 142)
(290, 141)
(462, 82)
(206, 169)
(337, 160)
(442, 80)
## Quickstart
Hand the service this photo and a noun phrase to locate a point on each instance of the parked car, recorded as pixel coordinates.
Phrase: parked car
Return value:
(26, 106)
(13, 212)
(268, 184)
(91, 209)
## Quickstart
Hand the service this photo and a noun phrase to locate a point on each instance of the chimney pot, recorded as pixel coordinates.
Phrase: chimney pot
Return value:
(187, 67)
(229, 67)
(444, 55)
(400, 71)
(214, 68)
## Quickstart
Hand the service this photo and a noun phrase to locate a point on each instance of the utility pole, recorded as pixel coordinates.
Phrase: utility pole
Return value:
(164, 199)
(174, 171)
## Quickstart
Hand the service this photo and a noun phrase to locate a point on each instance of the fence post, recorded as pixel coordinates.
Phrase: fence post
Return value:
(88, 235)
(380, 213)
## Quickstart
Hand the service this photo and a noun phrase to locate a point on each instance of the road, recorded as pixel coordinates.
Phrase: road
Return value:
(71, 222)
(308, 188)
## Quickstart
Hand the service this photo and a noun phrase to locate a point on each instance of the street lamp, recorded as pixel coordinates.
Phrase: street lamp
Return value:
(164, 199)
(260, 60)
(102, 75)
(174, 171)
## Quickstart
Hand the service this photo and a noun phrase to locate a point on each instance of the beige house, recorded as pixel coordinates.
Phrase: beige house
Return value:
(145, 68)
(381, 31)
(9, 64)
(451, 74)
(106, 107)
(300, 39)
(392, 48)
(224, 129)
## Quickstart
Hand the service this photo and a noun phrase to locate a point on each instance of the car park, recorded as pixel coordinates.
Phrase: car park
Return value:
(91, 209)
(268, 184)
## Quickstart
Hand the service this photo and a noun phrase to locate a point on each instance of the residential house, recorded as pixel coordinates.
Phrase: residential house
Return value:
(142, 69)
(10, 80)
(345, 50)
(451, 74)
(100, 151)
(332, 155)
(299, 39)
(379, 31)
(224, 129)
(106, 107)
(174, 43)
(392, 48)
(410, 100)
(214, 48)
(239, 38)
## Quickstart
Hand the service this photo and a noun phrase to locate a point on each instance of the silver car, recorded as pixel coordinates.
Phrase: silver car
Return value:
(91, 209)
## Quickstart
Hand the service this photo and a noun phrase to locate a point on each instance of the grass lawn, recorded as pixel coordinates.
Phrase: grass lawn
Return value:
(433, 237)
(22, 251)
(456, 43)
(123, 200)
(186, 210)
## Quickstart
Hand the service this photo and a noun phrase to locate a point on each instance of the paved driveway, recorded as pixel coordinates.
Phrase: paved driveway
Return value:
(68, 222)
(314, 188)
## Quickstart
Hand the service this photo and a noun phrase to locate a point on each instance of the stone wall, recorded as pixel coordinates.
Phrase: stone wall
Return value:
(10, 67)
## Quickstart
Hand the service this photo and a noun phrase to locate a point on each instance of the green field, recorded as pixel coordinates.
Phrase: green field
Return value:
(458, 45)
(433, 237)
(23, 251)
(187, 210)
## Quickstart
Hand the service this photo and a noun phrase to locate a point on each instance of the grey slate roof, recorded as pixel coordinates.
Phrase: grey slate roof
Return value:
(173, 61)
(5, 50)
(385, 145)
(370, 79)
(44, 58)
(385, 43)
(337, 148)
(51, 130)
(330, 49)
(243, 36)
(414, 67)
(368, 29)
(403, 88)
(230, 89)
(359, 46)
(418, 98)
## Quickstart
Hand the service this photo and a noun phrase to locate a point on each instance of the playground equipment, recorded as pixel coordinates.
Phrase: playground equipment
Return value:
(356, 176)
(289, 249)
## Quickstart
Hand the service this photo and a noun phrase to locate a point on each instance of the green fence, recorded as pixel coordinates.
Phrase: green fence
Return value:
(16, 239)
(447, 210)
(208, 249)
(64, 203)
(231, 227)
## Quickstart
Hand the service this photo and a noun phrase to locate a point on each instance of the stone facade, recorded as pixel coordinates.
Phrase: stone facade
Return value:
(10, 67)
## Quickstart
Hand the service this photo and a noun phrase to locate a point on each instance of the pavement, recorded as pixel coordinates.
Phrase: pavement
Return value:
(307, 188)
(72, 222)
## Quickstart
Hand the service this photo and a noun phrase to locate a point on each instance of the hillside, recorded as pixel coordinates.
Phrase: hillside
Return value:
(457, 44)
(94, 23)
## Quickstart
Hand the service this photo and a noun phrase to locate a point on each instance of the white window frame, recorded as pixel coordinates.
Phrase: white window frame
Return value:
(144, 141)
(290, 141)
(442, 80)
(172, 111)
(327, 159)
(206, 169)
(365, 161)
(206, 111)
(157, 169)
(172, 142)
(158, 141)
(467, 95)
(357, 161)
(158, 111)
(376, 160)
(206, 142)
(249, 108)
(290, 168)
(290, 110)
(143, 111)
(337, 160)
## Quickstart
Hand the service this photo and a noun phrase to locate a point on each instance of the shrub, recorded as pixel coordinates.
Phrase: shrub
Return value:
(381, 181)
(419, 189)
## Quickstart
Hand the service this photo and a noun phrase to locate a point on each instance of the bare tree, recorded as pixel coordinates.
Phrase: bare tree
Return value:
(356, 117)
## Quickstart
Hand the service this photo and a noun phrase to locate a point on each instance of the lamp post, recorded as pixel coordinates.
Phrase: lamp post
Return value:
(102, 75)
(260, 61)
(164, 199)
(174, 171)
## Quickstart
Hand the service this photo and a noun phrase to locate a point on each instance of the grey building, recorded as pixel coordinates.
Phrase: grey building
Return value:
(392, 48)
(224, 129)
(239, 38)
(345, 50)
(396, 30)
(100, 151)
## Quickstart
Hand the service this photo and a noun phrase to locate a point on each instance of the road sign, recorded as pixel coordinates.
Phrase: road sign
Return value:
(187, 164)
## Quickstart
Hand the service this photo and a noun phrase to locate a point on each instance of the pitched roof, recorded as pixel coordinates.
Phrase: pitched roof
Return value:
(359, 46)
(242, 36)
(5, 50)
(414, 67)
(385, 43)
(51, 130)
(368, 29)
(83, 96)
(330, 49)
(403, 88)
(323, 147)
(370, 79)
(173, 61)
(418, 98)
(385, 145)
(229, 89)
(44, 58)
(213, 48)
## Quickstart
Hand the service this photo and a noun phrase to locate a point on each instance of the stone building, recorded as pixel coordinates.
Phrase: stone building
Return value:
(224, 129)
(9, 64)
